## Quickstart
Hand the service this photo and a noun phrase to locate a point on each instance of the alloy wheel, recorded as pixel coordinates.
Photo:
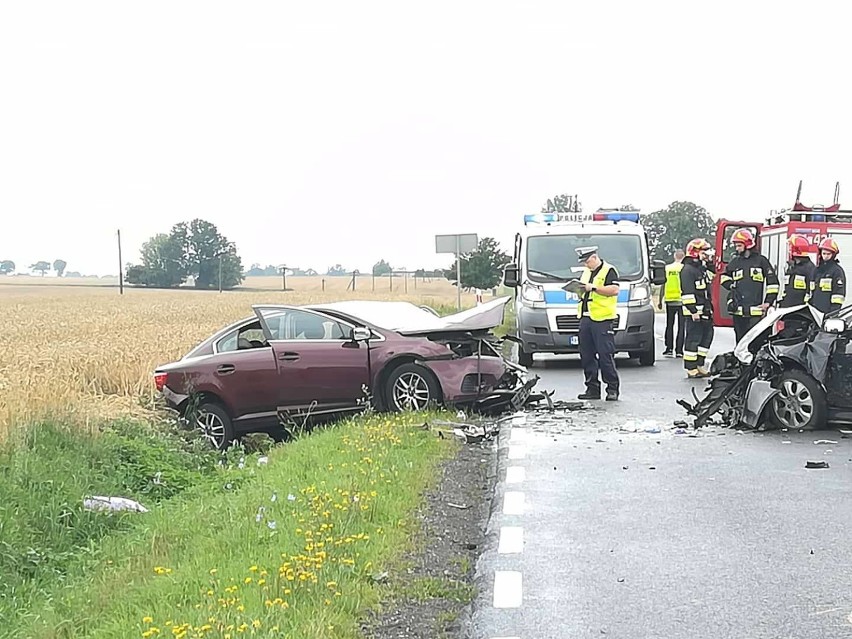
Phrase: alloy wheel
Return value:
(794, 405)
(211, 427)
(411, 392)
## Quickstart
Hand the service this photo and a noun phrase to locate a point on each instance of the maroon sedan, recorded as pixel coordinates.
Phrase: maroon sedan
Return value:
(291, 363)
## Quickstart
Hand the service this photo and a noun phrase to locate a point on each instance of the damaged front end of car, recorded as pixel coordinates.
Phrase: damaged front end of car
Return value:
(746, 380)
(477, 376)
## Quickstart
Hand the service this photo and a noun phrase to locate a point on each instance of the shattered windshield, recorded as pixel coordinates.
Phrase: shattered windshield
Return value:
(555, 255)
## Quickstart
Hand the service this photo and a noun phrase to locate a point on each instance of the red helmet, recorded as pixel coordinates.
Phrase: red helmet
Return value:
(743, 236)
(828, 244)
(694, 248)
(799, 245)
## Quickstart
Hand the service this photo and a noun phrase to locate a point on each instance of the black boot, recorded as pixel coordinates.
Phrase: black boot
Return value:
(589, 395)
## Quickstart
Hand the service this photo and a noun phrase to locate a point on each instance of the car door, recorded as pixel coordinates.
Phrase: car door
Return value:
(244, 373)
(839, 382)
(724, 230)
(320, 368)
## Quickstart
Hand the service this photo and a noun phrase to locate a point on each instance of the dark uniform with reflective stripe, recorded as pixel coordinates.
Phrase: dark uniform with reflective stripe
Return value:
(598, 317)
(695, 296)
(797, 281)
(752, 282)
(828, 286)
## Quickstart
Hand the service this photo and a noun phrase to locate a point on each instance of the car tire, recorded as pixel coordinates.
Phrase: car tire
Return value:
(801, 404)
(648, 356)
(411, 387)
(212, 421)
(525, 359)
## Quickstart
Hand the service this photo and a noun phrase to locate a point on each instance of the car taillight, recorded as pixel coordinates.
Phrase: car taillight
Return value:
(160, 380)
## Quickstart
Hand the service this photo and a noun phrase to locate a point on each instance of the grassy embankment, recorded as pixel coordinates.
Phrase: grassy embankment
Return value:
(285, 548)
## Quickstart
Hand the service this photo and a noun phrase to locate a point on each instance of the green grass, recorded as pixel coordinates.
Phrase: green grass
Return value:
(426, 588)
(46, 473)
(285, 548)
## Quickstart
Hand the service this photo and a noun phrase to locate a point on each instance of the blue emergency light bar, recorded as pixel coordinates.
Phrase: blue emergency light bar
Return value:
(616, 217)
(569, 218)
(541, 218)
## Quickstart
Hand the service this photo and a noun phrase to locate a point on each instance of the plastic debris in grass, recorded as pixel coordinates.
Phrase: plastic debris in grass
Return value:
(113, 504)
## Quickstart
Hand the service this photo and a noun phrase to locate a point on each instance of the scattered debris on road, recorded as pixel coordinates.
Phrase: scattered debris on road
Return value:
(816, 464)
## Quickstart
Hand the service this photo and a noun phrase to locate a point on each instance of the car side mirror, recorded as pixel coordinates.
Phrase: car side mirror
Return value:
(510, 276)
(658, 272)
(361, 334)
(834, 325)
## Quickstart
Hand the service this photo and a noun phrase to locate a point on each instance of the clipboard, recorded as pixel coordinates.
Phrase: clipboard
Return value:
(574, 286)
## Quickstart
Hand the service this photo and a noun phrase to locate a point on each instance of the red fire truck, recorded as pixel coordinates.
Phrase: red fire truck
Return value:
(814, 222)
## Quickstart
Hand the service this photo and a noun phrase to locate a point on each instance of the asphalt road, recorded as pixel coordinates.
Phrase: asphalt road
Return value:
(603, 529)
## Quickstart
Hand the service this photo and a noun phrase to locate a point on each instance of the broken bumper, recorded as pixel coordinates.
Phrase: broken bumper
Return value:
(758, 395)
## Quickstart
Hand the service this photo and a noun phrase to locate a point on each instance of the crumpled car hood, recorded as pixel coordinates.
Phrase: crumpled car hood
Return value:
(741, 350)
(409, 319)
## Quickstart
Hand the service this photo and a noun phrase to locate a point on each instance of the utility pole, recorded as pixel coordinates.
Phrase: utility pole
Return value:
(120, 266)
(458, 271)
(220, 272)
(283, 278)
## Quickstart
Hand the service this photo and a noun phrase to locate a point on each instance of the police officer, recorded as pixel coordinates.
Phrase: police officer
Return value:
(697, 307)
(597, 311)
(799, 273)
(671, 293)
(828, 284)
(752, 281)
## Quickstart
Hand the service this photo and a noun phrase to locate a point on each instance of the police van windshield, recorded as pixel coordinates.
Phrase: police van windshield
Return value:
(555, 255)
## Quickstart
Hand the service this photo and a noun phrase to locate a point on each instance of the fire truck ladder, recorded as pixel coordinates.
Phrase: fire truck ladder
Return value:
(815, 213)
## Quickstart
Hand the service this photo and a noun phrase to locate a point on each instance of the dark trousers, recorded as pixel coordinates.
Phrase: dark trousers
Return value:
(674, 312)
(699, 337)
(743, 324)
(597, 353)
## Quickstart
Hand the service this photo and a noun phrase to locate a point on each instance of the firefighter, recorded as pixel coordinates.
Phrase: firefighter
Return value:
(697, 307)
(800, 270)
(752, 282)
(598, 313)
(671, 293)
(828, 283)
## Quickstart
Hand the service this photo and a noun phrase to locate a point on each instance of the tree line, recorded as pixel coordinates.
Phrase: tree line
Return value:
(196, 250)
(42, 267)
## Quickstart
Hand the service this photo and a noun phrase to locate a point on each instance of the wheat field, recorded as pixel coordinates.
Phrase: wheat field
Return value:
(78, 351)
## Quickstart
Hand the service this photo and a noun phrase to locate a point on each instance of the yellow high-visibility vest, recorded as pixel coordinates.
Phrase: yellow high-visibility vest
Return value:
(672, 291)
(600, 307)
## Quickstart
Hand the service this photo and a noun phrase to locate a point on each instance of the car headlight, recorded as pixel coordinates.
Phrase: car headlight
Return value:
(834, 325)
(532, 292)
(640, 293)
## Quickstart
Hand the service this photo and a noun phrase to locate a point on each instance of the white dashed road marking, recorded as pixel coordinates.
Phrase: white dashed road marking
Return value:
(515, 474)
(513, 503)
(511, 540)
(517, 452)
(508, 589)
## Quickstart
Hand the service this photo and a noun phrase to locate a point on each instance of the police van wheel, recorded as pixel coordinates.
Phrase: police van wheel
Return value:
(524, 359)
(648, 356)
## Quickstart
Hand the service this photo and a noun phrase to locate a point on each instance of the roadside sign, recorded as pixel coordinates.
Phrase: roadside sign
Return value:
(458, 245)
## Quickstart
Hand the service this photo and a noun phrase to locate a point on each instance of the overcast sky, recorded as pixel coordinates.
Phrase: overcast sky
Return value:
(313, 133)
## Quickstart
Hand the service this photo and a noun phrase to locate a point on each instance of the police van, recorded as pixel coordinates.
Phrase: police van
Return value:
(545, 259)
